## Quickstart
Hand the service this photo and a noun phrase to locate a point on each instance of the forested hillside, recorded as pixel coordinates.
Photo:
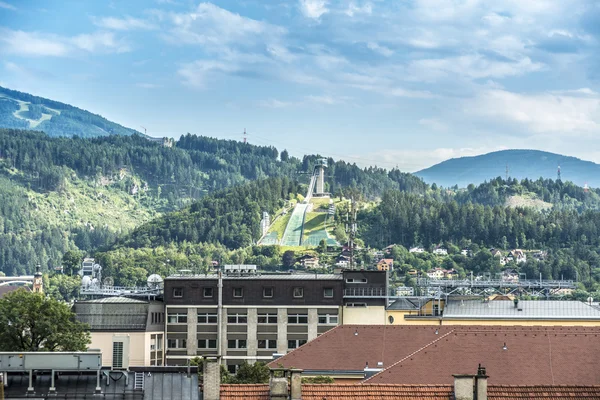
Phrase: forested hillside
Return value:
(521, 164)
(20, 110)
(74, 193)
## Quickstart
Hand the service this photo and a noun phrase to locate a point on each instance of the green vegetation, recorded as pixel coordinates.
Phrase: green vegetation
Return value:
(33, 322)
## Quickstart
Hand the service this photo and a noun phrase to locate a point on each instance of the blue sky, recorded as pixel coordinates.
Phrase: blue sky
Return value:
(404, 83)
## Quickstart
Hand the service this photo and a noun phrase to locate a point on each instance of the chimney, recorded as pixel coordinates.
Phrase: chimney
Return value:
(463, 387)
(278, 384)
(481, 383)
(211, 369)
(296, 384)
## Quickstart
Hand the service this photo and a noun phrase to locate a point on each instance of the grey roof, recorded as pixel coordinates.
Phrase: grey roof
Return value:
(114, 300)
(530, 309)
(158, 385)
(405, 304)
(290, 277)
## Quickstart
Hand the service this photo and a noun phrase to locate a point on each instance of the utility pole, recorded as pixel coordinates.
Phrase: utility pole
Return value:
(558, 174)
(506, 180)
(144, 129)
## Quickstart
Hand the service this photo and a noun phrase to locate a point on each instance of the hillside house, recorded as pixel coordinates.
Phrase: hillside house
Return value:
(518, 256)
(436, 273)
(385, 264)
(540, 255)
(342, 261)
(466, 252)
(496, 253)
(510, 275)
(440, 251)
(308, 261)
(416, 250)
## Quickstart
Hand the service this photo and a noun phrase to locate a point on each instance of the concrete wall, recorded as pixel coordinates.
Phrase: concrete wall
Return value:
(139, 347)
(370, 315)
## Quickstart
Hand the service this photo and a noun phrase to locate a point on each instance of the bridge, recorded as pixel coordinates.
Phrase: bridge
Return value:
(16, 280)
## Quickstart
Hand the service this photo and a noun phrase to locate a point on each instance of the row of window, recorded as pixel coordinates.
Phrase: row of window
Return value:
(206, 318)
(157, 317)
(268, 292)
(233, 343)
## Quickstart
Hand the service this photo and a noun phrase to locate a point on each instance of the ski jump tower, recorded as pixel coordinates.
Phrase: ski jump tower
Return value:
(320, 175)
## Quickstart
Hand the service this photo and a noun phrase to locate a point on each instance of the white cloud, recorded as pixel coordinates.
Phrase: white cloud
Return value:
(545, 113)
(377, 48)
(41, 44)
(7, 6)
(196, 73)
(33, 43)
(274, 103)
(100, 41)
(353, 9)
(123, 24)
(313, 8)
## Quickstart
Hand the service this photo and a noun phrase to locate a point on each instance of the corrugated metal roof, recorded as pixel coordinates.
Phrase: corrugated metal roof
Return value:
(526, 309)
(115, 300)
(291, 277)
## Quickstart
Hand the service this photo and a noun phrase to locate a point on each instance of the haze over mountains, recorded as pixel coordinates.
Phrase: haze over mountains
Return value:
(521, 164)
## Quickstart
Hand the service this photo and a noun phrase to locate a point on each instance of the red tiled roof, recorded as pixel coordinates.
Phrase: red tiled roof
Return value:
(339, 349)
(246, 392)
(379, 392)
(543, 392)
(533, 356)
(416, 355)
(8, 288)
(411, 392)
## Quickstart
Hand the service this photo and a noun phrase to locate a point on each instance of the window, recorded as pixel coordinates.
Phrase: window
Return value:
(117, 355)
(298, 292)
(294, 344)
(178, 292)
(268, 292)
(356, 280)
(297, 319)
(237, 319)
(159, 340)
(236, 343)
(356, 304)
(267, 344)
(232, 369)
(176, 343)
(207, 343)
(238, 292)
(208, 292)
(328, 292)
(205, 318)
(267, 318)
(328, 319)
(177, 318)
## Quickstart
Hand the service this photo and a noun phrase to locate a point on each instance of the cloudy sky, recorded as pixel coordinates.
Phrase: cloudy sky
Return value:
(404, 83)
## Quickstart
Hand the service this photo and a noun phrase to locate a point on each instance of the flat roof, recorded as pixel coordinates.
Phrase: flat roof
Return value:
(526, 309)
(288, 277)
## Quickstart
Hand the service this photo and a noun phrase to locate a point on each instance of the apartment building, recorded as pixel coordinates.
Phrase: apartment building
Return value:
(249, 317)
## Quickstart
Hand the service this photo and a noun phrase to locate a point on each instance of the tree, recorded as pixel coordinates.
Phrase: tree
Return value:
(322, 246)
(285, 156)
(289, 258)
(71, 261)
(31, 322)
(252, 373)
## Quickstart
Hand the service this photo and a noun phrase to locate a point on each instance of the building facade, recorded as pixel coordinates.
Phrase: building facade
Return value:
(250, 318)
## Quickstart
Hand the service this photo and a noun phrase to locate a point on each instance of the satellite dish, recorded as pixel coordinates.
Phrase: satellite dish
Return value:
(154, 281)
(108, 282)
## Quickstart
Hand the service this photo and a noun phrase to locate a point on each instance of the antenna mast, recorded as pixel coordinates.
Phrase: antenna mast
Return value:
(558, 174)
(245, 141)
(144, 129)
(506, 173)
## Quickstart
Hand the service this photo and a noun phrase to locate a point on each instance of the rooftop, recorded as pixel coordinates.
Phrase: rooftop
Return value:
(114, 300)
(411, 392)
(533, 355)
(5, 289)
(292, 277)
(526, 309)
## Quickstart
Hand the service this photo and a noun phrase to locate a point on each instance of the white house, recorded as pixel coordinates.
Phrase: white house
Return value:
(440, 251)
(416, 250)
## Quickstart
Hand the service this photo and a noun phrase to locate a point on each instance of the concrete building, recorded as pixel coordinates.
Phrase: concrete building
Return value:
(251, 317)
(128, 332)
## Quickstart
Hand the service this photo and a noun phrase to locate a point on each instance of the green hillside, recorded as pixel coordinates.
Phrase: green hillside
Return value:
(24, 111)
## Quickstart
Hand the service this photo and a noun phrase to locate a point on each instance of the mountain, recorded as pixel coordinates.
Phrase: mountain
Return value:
(531, 164)
(24, 111)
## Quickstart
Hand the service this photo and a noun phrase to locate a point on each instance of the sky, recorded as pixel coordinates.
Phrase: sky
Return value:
(404, 83)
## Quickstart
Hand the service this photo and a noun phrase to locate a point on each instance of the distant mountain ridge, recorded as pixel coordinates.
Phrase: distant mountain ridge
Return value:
(20, 110)
(531, 164)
